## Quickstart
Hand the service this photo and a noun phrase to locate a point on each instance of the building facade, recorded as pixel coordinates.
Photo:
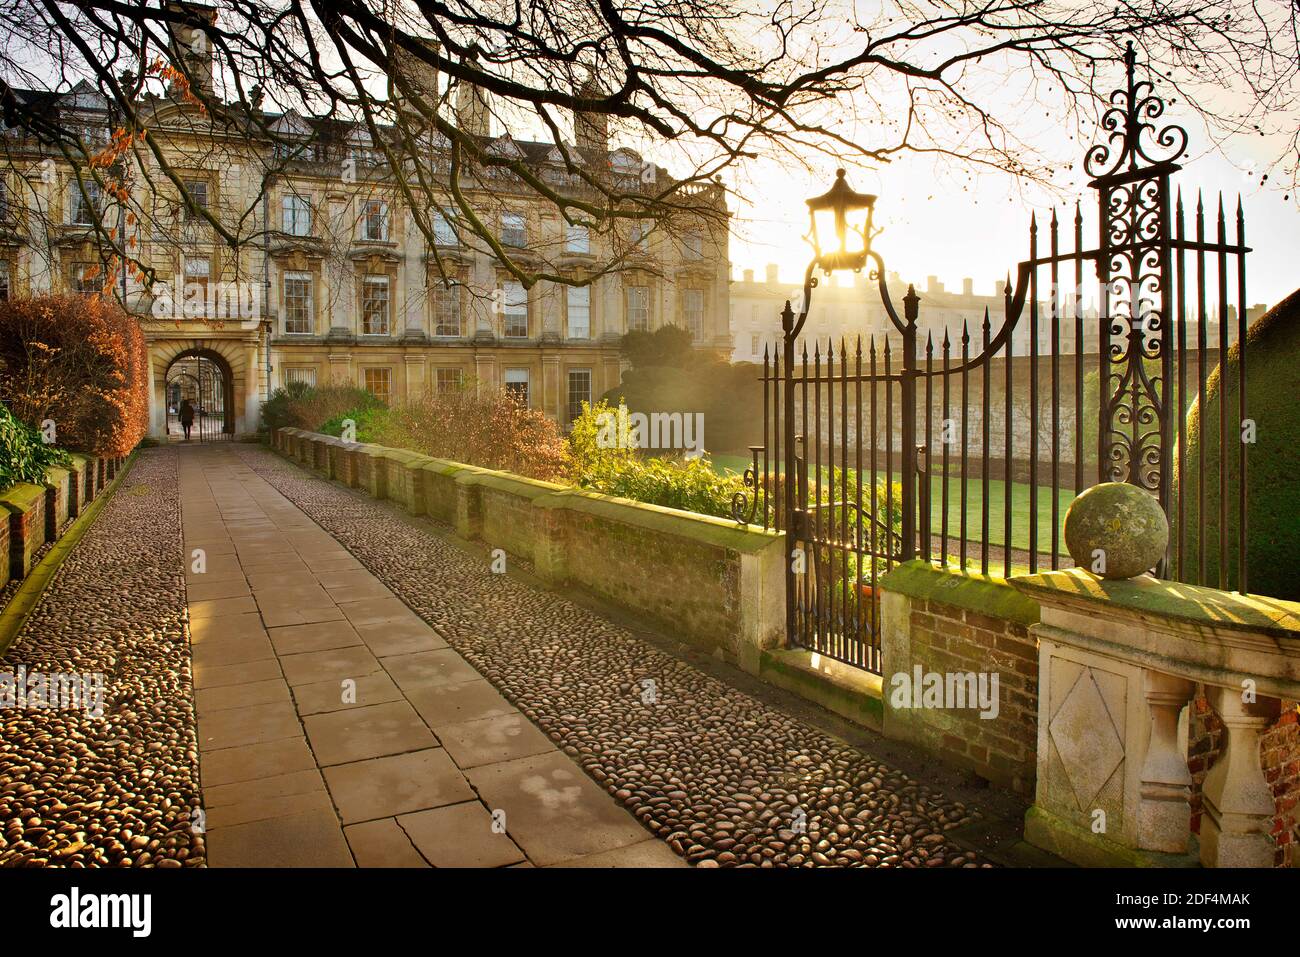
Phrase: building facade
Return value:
(332, 280)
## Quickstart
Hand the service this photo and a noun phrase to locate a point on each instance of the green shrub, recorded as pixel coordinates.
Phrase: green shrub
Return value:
(302, 406)
(690, 485)
(616, 469)
(23, 456)
(279, 411)
(371, 423)
(1272, 487)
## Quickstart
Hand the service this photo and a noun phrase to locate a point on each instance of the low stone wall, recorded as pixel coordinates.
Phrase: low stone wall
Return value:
(709, 581)
(939, 625)
(58, 501)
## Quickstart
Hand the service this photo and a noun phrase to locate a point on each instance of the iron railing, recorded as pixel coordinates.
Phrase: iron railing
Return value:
(965, 446)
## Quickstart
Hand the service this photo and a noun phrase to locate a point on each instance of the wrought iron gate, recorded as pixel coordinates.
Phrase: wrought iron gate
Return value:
(202, 382)
(871, 481)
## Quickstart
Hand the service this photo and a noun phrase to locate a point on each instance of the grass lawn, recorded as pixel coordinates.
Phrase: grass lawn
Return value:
(997, 503)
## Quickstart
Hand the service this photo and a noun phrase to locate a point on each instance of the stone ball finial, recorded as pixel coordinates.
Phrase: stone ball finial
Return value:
(1116, 530)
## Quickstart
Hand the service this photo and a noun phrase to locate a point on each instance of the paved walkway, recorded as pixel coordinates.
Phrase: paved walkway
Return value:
(336, 728)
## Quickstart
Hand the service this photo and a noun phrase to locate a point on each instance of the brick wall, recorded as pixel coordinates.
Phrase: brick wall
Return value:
(57, 512)
(952, 624)
(1278, 750)
(24, 507)
(343, 465)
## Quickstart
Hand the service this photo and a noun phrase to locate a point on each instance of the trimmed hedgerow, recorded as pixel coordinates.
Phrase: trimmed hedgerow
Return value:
(1273, 492)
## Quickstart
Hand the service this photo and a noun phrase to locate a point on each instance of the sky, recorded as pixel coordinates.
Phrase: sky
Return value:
(937, 221)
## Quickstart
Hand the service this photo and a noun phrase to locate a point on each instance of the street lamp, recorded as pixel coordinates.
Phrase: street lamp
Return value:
(845, 214)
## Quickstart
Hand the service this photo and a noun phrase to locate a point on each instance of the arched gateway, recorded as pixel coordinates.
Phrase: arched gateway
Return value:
(220, 377)
(202, 380)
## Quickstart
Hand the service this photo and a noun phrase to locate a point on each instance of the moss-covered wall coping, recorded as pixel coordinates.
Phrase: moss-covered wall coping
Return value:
(443, 467)
(669, 521)
(1210, 607)
(22, 497)
(984, 594)
(56, 474)
(506, 482)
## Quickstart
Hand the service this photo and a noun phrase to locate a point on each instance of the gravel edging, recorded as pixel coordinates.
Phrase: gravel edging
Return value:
(81, 791)
(724, 778)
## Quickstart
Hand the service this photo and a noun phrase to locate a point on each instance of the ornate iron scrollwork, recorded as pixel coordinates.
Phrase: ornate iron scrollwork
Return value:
(1132, 171)
(744, 505)
(1132, 133)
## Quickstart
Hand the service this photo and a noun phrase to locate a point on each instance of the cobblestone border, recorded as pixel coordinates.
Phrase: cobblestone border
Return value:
(81, 791)
(722, 777)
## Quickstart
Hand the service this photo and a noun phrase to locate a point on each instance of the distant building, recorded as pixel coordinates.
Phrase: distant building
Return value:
(845, 307)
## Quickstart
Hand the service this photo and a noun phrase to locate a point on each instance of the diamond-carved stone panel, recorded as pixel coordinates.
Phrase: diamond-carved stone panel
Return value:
(1084, 734)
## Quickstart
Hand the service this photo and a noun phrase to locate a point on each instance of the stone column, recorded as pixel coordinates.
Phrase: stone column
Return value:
(1164, 815)
(1238, 804)
(252, 398)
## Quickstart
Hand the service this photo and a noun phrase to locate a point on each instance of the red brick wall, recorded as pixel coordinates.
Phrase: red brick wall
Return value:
(26, 535)
(1279, 752)
(946, 638)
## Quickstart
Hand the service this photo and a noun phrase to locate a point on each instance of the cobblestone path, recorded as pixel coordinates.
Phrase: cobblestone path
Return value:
(721, 777)
(117, 790)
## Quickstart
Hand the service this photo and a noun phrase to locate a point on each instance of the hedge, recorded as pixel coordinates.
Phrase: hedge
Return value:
(80, 362)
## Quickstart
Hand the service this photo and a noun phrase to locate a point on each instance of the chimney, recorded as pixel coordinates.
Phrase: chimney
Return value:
(749, 275)
(772, 274)
(591, 130)
(1000, 287)
(968, 287)
(191, 46)
(473, 113)
(932, 284)
(419, 76)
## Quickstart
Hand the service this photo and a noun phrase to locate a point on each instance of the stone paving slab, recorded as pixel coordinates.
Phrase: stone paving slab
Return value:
(336, 728)
(722, 777)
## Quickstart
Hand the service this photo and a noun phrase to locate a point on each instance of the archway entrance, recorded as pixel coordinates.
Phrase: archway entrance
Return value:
(200, 382)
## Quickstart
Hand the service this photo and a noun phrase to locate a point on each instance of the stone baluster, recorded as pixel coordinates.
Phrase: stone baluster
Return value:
(1238, 804)
(1164, 814)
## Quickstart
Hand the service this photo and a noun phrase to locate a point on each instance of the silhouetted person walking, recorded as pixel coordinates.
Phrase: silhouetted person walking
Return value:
(187, 417)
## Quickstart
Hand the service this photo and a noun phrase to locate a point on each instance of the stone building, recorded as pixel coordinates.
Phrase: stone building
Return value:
(846, 306)
(331, 279)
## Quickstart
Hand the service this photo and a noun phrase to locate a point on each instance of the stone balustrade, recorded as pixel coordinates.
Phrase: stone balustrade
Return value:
(1119, 661)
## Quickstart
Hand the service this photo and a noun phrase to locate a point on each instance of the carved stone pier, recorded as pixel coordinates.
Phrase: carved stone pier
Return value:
(1118, 663)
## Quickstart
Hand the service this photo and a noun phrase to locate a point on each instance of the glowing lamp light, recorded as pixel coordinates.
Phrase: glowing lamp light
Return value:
(844, 215)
